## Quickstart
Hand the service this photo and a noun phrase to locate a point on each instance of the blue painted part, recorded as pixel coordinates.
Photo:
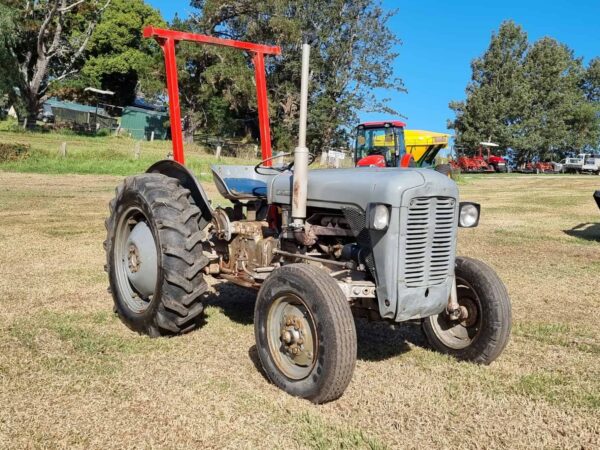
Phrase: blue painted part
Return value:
(246, 186)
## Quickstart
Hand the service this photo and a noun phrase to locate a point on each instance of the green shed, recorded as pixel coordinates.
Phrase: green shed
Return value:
(140, 123)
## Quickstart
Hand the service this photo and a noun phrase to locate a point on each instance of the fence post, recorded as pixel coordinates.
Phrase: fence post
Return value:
(218, 152)
(152, 137)
(25, 123)
(137, 150)
(323, 158)
(63, 149)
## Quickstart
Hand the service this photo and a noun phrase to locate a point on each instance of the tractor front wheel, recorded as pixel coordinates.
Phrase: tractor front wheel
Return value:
(483, 330)
(154, 256)
(305, 333)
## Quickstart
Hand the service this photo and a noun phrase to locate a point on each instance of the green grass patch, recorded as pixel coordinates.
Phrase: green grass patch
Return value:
(101, 155)
(72, 343)
(558, 388)
(560, 334)
(315, 433)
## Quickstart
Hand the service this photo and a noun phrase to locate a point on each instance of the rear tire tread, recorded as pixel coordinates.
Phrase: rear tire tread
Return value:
(172, 210)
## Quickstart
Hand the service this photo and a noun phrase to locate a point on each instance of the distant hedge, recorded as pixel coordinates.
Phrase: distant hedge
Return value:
(13, 152)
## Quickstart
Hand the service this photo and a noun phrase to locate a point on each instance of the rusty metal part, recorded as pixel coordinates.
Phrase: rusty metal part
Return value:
(222, 224)
(347, 264)
(249, 228)
(330, 231)
(134, 258)
(305, 235)
(241, 281)
(453, 308)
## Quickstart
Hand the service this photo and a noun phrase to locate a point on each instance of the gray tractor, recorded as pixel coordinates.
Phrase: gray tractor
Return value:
(321, 247)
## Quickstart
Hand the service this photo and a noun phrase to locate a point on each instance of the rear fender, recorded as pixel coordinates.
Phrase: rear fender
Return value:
(189, 181)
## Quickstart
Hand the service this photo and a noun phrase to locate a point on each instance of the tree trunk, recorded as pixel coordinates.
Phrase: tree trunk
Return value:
(33, 106)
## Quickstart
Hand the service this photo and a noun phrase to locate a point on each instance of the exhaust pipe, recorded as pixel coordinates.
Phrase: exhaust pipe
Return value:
(300, 186)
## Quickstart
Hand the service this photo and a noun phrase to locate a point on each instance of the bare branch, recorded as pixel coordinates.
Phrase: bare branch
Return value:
(45, 23)
(57, 34)
(65, 8)
(64, 75)
(88, 34)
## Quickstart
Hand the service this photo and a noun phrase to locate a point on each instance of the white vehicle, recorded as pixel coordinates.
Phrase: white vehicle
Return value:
(584, 162)
(559, 167)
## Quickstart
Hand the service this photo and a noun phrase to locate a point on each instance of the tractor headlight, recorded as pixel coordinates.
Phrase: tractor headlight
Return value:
(378, 216)
(469, 214)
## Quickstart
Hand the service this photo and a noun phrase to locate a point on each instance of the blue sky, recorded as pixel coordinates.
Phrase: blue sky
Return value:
(441, 38)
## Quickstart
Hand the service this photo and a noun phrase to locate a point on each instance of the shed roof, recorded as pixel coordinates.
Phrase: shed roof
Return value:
(74, 106)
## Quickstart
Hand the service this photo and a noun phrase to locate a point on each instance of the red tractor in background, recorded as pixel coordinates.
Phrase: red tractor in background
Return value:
(481, 163)
(536, 167)
(495, 163)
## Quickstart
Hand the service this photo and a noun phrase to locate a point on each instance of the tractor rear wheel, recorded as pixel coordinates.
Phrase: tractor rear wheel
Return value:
(154, 256)
(305, 333)
(483, 331)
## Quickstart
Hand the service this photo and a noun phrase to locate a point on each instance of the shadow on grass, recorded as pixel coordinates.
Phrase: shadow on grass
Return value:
(587, 231)
(377, 341)
(234, 301)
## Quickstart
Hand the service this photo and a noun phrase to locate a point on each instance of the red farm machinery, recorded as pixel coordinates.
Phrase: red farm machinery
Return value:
(482, 162)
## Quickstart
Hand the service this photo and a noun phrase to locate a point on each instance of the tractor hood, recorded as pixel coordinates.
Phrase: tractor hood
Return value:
(333, 188)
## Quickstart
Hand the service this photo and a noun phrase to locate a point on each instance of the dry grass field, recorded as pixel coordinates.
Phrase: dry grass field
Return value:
(71, 375)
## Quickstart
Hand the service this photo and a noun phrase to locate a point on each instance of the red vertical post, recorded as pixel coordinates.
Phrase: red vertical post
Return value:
(168, 46)
(263, 106)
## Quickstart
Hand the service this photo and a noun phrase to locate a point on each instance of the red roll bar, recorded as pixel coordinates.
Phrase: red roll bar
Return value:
(167, 40)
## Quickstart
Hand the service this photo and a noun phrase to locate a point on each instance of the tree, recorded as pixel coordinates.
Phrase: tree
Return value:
(48, 46)
(7, 72)
(118, 58)
(591, 81)
(557, 118)
(534, 99)
(352, 56)
(496, 93)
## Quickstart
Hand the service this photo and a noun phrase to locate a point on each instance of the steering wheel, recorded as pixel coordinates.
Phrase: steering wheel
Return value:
(260, 166)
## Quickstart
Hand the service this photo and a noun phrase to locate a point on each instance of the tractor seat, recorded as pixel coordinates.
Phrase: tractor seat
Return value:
(240, 182)
(246, 187)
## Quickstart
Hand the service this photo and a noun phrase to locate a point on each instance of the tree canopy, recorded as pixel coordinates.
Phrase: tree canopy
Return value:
(536, 99)
(352, 56)
(47, 42)
(60, 47)
(118, 58)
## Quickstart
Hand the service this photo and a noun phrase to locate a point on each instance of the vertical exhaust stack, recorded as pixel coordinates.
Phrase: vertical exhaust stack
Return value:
(300, 187)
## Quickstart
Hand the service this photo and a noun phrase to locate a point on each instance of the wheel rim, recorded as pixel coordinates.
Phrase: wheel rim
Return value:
(292, 337)
(135, 260)
(459, 334)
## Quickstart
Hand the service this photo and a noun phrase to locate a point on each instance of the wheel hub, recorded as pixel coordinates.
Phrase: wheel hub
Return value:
(292, 337)
(293, 340)
(458, 332)
(141, 259)
(134, 259)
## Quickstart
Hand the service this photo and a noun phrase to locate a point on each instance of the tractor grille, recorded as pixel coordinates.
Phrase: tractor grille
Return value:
(430, 240)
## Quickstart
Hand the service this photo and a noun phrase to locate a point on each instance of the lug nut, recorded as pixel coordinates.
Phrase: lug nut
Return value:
(287, 337)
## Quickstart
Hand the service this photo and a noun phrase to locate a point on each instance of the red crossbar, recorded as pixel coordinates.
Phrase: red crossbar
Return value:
(167, 40)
